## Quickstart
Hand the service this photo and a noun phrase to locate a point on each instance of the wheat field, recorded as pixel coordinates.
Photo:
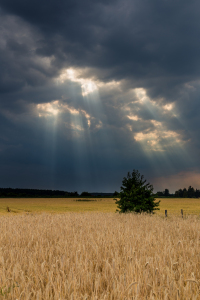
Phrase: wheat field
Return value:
(65, 205)
(99, 256)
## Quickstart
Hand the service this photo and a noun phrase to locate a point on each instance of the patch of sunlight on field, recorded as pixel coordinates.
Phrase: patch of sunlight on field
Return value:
(63, 205)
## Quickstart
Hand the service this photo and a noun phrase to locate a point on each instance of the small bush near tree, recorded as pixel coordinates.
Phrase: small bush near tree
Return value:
(136, 195)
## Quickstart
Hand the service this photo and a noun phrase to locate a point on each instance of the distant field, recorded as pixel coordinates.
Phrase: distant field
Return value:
(174, 206)
(56, 205)
(62, 205)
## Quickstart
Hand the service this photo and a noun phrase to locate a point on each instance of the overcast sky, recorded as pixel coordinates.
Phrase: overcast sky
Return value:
(92, 89)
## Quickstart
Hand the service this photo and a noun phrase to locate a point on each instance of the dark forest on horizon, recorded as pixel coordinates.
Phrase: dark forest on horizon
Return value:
(181, 193)
(40, 193)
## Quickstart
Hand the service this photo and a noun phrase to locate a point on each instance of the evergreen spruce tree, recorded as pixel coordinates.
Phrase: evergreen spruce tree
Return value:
(136, 195)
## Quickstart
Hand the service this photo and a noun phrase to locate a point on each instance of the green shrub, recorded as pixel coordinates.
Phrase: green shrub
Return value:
(136, 195)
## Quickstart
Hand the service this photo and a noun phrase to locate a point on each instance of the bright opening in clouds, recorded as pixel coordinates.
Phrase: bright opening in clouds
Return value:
(168, 106)
(91, 90)
(48, 109)
(88, 86)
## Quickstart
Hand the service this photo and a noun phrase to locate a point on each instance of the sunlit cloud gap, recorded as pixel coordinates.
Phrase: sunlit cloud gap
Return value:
(87, 85)
(91, 99)
(156, 137)
(52, 109)
(95, 115)
(157, 140)
(89, 112)
(143, 98)
(48, 109)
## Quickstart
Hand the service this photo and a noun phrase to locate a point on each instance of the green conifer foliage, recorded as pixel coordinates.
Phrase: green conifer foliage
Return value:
(136, 195)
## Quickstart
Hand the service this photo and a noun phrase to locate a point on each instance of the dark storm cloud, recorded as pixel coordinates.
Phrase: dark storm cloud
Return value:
(153, 45)
(142, 40)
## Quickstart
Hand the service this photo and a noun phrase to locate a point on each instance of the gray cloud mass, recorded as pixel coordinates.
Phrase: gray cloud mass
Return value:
(90, 90)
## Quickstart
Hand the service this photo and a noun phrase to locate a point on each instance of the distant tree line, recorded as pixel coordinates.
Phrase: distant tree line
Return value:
(188, 193)
(181, 193)
(36, 193)
(163, 194)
